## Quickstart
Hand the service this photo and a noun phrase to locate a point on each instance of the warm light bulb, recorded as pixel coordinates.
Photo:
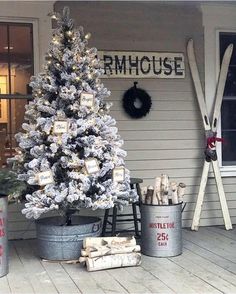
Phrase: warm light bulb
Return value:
(55, 40)
(77, 78)
(88, 36)
(69, 33)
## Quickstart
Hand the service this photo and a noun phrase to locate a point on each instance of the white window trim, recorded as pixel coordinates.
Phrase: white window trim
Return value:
(225, 170)
(216, 18)
(35, 25)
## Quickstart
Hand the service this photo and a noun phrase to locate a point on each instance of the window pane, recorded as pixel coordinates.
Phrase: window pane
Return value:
(16, 62)
(16, 114)
(4, 60)
(228, 147)
(21, 57)
(228, 110)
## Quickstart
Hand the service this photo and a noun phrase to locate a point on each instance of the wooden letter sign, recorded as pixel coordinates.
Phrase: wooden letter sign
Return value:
(118, 174)
(45, 178)
(60, 127)
(86, 99)
(91, 165)
(128, 64)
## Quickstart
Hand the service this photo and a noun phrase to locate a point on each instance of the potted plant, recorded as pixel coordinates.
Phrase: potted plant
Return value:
(70, 154)
(10, 191)
(10, 186)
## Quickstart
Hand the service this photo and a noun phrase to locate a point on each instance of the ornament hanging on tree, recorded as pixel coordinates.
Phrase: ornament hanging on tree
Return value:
(118, 174)
(70, 147)
(60, 127)
(86, 99)
(91, 166)
(45, 178)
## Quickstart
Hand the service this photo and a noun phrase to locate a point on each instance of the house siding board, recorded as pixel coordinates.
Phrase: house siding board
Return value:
(170, 139)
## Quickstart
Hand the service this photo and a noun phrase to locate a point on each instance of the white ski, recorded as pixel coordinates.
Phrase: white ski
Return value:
(210, 131)
(197, 84)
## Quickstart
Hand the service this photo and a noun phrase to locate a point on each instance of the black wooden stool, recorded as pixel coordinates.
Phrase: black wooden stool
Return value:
(115, 218)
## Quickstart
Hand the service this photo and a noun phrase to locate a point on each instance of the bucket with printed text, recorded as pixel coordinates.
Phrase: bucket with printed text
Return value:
(3, 236)
(161, 227)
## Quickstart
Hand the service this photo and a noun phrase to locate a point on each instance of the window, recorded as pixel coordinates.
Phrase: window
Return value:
(16, 68)
(228, 110)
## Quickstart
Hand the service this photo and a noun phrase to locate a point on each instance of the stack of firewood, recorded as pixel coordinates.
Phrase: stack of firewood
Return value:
(164, 192)
(110, 252)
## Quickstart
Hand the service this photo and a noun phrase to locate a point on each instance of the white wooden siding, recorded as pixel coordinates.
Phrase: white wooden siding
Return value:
(171, 138)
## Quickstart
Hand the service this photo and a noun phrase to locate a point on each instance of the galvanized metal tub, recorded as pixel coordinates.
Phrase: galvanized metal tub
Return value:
(59, 242)
(3, 236)
(161, 227)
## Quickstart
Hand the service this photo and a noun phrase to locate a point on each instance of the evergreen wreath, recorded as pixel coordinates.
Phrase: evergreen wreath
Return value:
(129, 99)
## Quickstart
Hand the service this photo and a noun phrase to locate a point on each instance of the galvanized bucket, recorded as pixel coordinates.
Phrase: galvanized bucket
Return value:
(3, 236)
(59, 242)
(161, 227)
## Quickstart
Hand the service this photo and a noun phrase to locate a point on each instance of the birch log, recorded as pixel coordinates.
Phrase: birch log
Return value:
(108, 250)
(174, 195)
(164, 189)
(99, 241)
(181, 191)
(157, 191)
(149, 196)
(113, 261)
(144, 194)
(164, 183)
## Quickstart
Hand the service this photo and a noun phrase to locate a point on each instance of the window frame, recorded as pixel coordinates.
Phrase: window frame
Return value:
(35, 49)
(229, 170)
(216, 17)
(35, 39)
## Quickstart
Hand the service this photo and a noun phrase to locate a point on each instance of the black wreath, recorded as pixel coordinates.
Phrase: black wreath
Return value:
(129, 99)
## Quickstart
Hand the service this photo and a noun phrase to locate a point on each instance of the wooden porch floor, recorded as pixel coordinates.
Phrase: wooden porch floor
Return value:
(207, 265)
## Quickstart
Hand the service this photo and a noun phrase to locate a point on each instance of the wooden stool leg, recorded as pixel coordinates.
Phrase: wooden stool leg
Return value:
(113, 228)
(104, 226)
(138, 189)
(135, 219)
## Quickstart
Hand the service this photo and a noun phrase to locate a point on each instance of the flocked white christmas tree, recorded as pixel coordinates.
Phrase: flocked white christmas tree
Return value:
(69, 153)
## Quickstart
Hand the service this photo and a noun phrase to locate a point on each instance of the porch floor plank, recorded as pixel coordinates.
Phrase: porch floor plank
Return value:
(207, 265)
(18, 277)
(174, 275)
(209, 242)
(221, 231)
(36, 274)
(212, 257)
(107, 282)
(149, 280)
(215, 271)
(84, 280)
(4, 285)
